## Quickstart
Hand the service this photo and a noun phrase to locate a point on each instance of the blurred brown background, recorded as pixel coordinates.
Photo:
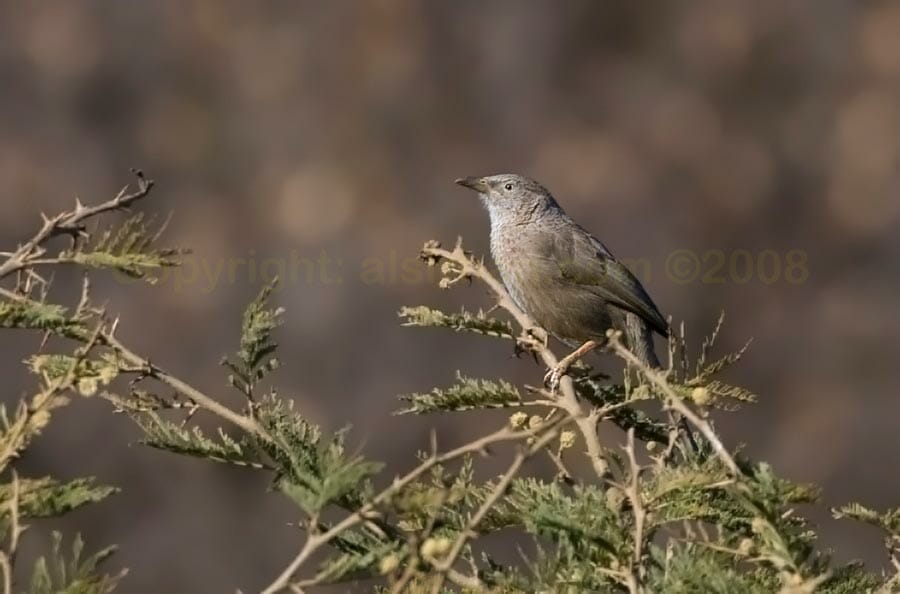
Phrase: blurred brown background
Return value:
(285, 130)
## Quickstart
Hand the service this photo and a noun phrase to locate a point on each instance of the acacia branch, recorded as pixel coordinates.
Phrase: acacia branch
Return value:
(106, 337)
(71, 223)
(206, 402)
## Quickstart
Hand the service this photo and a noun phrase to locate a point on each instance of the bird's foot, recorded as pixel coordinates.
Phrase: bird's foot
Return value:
(554, 375)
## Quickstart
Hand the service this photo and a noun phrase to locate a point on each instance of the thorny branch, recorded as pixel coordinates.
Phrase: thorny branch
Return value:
(70, 223)
(106, 337)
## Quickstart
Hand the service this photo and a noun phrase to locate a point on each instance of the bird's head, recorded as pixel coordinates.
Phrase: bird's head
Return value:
(512, 196)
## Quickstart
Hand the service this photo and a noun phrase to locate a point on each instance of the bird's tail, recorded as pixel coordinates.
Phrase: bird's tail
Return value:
(640, 340)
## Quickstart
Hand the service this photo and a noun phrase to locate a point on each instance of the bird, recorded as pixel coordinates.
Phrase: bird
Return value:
(563, 277)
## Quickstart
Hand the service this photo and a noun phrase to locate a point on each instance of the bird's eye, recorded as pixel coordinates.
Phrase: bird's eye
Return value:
(508, 187)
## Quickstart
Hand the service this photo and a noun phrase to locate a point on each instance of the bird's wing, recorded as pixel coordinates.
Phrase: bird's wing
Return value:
(583, 261)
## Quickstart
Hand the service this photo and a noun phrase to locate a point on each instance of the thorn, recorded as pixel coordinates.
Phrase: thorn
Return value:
(78, 205)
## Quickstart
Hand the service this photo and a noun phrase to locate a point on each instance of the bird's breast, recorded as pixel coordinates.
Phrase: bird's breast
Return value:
(509, 252)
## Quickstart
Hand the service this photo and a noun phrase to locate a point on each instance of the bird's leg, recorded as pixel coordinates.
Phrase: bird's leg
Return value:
(554, 375)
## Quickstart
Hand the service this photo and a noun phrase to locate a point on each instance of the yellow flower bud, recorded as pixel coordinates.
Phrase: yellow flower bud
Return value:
(87, 386)
(40, 419)
(518, 420)
(566, 440)
(701, 396)
(614, 498)
(758, 525)
(434, 547)
(389, 564)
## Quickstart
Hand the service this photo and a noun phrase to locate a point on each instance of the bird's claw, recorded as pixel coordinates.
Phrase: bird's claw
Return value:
(553, 377)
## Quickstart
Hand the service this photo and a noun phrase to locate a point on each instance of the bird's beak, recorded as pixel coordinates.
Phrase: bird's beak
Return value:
(474, 183)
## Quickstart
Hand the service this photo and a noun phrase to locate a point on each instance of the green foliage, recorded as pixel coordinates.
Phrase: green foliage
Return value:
(467, 394)
(192, 441)
(585, 523)
(88, 374)
(46, 497)
(625, 417)
(685, 377)
(33, 315)
(463, 321)
(62, 573)
(313, 471)
(128, 248)
(691, 567)
(889, 521)
(358, 553)
(255, 358)
(853, 578)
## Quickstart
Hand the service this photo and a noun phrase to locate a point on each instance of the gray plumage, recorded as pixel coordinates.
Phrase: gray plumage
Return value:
(560, 274)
